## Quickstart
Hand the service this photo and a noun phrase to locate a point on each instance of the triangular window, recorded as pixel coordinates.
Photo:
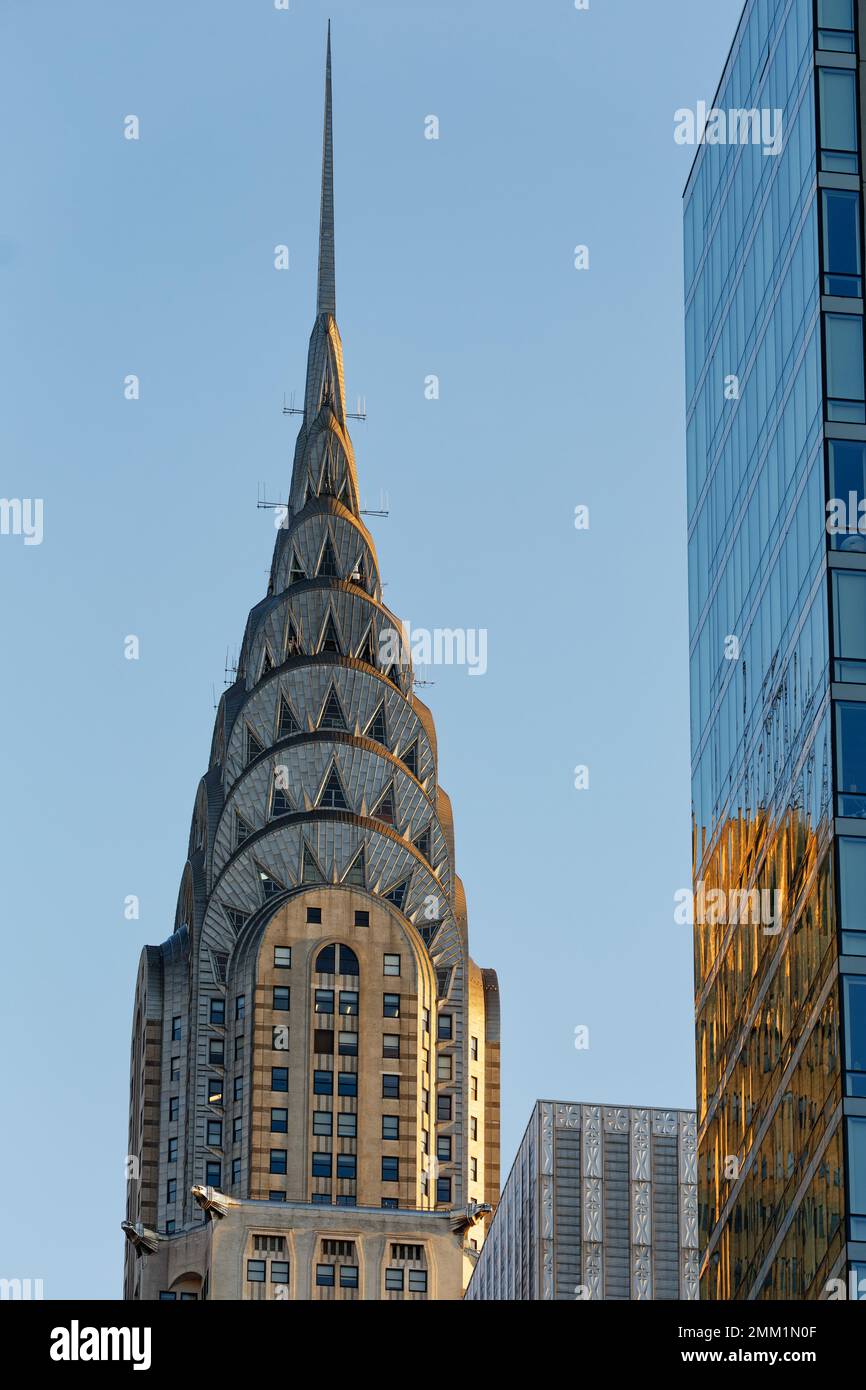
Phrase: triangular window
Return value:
(293, 639)
(280, 804)
(367, 650)
(410, 758)
(270, 885)
(328, 563)
(356, 872)
(332, 793)
(297, 571)
(242, 829)
(288, 724)
(267, 662)
(393, 675)
(384, 810)
(397, 894)
(422, 844)
(235, 916)
(376, 728)
(330, 643)
(254, 747)
(332, 714)
(310, 872)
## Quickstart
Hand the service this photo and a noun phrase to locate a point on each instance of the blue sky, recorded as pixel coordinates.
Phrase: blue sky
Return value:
(558, 388)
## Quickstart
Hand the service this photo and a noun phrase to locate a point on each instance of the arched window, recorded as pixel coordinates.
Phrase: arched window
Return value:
(326, 961)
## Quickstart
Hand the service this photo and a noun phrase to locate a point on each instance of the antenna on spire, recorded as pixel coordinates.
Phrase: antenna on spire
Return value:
(326, 299)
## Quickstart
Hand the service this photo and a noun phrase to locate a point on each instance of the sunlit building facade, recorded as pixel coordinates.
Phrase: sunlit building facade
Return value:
(314, 1096)
(776, 430)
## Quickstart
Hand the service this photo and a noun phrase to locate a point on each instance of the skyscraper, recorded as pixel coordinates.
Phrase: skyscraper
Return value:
(600, 1203)
(314, 1100)
(776, 430)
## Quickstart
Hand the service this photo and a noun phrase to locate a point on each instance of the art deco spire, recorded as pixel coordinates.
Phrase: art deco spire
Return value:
(327, 292)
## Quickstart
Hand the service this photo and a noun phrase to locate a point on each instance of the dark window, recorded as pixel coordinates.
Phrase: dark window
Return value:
(857, 1176)
(326, 961)
(443, 1189)
(855, 1034)
(394, 1280)
(390, 1169)
(348, 1044)
(849, 623)
(321, 1199)
(314, 914)
(347, 1166)
(362, 919)
(323, 1083)
(239, 1087)
(175, 1029)
(347, 1083)
(256, 1271)
(218, 1011)
(851, 758)
(446, 1026)
(841, 242)
(348, 1001)
(216, 1051)
(237, 1129)
(276, 1196)
(321, 1165)
(324, 1001)
(348, 962)
(852, 891)
(322, 1122)
(236, 1171)
(171, 1191)
(279, 1078)
(348, 1276)
(391, 1203)
(172, 1150)
(390, 1006)
(279, 1271)
(443, 1148)
(278, 1160)
(213, 1173)
(325, 1276)
(390, 1126)
(240, 1006)
(390, 1086)
(848, 485)
(173, 1107)
(279, 1121)
(170, 1228)
(281, 998)
(323, 1040)
(166, 1296)
(214, 1133)
(347, 1125)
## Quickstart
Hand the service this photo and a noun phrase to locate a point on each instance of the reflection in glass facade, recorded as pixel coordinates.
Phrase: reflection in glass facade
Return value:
(777, 623)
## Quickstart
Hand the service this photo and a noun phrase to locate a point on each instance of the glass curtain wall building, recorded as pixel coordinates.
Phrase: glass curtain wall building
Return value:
(777, 594)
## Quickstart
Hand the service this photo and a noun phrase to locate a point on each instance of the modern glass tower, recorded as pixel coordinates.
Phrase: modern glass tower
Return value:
(776, 430)
(314, 1094)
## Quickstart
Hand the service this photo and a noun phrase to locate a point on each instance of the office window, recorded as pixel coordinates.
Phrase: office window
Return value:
(281, 998)
(390, 1169)
(347, 1083)
(348, 1002)
(321, 1199)
(362, 919)
(171, 1191)
(324, 1001)
(347, 1125)
(847, 485)
(347, 1166)
(239, 1049)
(218, 1010)
(844, 353)
(443, 1107)
(391, 1203)
(166, 1296)
(240, 1006)
(172, 1150)
(841, 210)
(837, 105)
(283, 957)
(215, 1091)
(446, 1027)
(836, 25)
(239, 1088)
(170, 1228)
(173, 1107)
(849, 621)
(394, 1280)
(323, 1041)
(391, 965)
(391, 1045)
(322, 1122)
(474, 1088)
(857, 1176)
(175, 1029)
(325, 1276)
(256, 1271)
(279, 1120)
(390, 1086)
(345, 1199)
(851, 758)
(443, 1148)
(348, 962)
(444, 1066)
(417, 1280)
(348, 1276)
(214, 1133)
(855, 1034)
(213, 1173)
(314, 914)
(852, 894)
(390, 1126)
(322, 1163)
(348, 1044)
(473, 1049)
(174, 1074)
(326, 961)
(473, 1169)
(473, 1127)
(323, 1083)
(279, 1078)
(276, 1196)
(390, 1006)
(237, 1129)
(278, 1160)
(279, 1271)
(236, 1171)
(216, 1051)
(443, 1189)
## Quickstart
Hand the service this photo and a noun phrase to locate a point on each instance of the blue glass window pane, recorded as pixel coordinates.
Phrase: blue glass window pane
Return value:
(844, 339)
(836, 14)
(838, 109)
(852, 883)
(851, 756)
(855, 1022)
(857, 1165)
(849, 612)
(841, 242)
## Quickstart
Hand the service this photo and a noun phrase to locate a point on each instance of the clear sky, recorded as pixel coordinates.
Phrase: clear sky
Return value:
(558, 387)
